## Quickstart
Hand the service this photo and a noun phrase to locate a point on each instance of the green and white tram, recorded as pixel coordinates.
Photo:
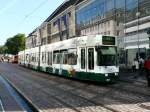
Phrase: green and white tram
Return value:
(86, 58)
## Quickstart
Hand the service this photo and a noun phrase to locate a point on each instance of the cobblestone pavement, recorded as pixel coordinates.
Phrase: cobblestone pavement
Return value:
(56, 94)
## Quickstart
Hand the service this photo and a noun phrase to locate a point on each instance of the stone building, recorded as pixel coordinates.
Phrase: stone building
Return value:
(126, 19)
(32, 40)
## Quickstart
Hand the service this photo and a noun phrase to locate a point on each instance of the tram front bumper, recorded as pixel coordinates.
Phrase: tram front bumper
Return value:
(111, 77)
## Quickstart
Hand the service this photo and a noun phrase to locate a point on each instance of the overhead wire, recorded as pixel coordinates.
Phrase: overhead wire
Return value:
(33, 11)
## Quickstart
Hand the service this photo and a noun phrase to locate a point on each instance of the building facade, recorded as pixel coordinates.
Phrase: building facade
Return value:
(61, 24)
(126, 19)
(32, 40)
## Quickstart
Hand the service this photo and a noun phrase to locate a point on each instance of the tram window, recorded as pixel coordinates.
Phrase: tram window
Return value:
(29, 58)
(49, 58)
(33, 57)
(91, 58)
(72, 59)
(82, 58)
(59, 58)
(65, 59)
(54, 58)
(42, 56)
(106, 56)
(37, 57)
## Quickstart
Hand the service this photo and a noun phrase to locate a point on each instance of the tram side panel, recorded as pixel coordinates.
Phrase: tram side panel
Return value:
(80, 62)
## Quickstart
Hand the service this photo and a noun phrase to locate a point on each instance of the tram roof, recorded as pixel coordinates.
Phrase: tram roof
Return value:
(92, 40)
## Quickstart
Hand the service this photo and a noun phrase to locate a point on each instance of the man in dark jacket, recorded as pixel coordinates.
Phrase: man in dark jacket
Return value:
(147, 68)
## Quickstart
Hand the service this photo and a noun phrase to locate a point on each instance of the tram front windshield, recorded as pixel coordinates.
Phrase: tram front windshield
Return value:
(106, 56)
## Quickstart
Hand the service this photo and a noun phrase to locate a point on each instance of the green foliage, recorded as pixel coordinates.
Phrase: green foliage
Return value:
(15, 44)
(3, 49)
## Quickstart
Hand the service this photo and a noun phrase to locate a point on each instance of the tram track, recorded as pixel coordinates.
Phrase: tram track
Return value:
(110, 89)
(72, 99)
(70, 96)
(89, 91)
(122, 86)
(125, 84)
(119, 99)
(132, 92)
(94, 94)
(24, 103)
(133, 88)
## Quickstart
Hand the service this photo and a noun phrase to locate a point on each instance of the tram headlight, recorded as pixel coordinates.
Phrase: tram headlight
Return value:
(106, 75)
(116, 74)
(108, 80)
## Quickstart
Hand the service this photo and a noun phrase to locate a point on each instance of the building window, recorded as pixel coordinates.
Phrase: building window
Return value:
(118, 32)
(69, 14)
(108, 23)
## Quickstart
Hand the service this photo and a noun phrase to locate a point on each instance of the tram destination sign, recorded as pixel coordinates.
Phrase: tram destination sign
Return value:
(108, 40)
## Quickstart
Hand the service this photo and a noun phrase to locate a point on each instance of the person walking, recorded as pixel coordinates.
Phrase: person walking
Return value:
(135, 65)
(141, 66)
(147, 68)
(141, 63)
(136, 68)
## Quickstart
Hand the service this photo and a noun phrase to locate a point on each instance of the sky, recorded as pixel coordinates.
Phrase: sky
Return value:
(23, 16)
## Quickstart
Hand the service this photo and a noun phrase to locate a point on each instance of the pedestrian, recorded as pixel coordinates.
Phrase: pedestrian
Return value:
(147, 68)
(141, 63)
(141, 66)
(135, 65)
(2, 59)
(8, 60)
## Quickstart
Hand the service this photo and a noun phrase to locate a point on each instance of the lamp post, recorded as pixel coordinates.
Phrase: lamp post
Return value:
(138, 43)
(148, 32)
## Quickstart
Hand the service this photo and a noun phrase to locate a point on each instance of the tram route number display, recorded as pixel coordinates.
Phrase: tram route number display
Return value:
(108, 40)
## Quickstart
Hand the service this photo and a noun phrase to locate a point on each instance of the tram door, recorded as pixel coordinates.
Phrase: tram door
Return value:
(87, 59)
(60, 63)
(90, 59)
(83, 59)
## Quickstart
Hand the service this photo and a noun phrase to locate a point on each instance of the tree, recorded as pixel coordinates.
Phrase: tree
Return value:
(3, 49)
(15, 44)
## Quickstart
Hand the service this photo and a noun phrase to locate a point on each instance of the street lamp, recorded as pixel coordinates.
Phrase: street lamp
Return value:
(148, 32)
(138, 15)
